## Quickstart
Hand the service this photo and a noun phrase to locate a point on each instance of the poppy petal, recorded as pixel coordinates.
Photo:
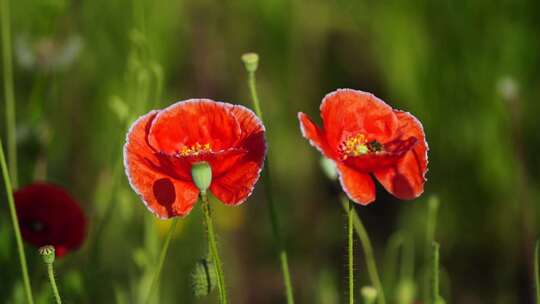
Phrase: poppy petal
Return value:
(236, 183)
(406, 179)
(195, 121)
(358, 186)
(314, 134)
(48, 215)
(347, 112)
(163, 195)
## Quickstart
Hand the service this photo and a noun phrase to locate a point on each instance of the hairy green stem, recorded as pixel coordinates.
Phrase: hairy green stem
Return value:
(368, 251)
(8, 91)
(15, 222)
(212, 246)
(50, 271)
(162, 256)
(350, 252)
(274, 220)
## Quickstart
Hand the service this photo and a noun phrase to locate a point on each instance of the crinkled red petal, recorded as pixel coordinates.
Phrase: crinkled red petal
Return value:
(315, 135)
(348, 112)
(191, 122)
(359, 186)
(406, 178)
(236, 184)
(160, 188)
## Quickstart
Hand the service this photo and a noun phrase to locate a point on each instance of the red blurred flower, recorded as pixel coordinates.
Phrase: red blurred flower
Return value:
(48, 215)
(161, 147)
(363, 135)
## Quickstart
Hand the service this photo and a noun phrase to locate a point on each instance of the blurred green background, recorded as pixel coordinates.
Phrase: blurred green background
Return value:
(469, 70)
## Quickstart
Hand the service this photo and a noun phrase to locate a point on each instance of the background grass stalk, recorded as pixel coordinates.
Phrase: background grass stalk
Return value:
(162, 256)
(537, 272)
(251, 62)
(16, 228)
(212, 246)
(368, 251)
(9, 96)
(433, 207)
(435, 294)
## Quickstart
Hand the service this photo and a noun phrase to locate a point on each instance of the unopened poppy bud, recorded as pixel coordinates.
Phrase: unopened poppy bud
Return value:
(406, 291)
(203, 278)
(329, 168)
(47, 253)
(251, 61)
(202, 176)
(369, 293)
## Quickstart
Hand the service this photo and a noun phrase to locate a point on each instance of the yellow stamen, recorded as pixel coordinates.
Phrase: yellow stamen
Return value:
(355, 146)
(195, 149)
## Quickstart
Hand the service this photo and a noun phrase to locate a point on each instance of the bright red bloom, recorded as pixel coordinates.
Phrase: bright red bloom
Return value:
(363, 135)
(48, 215)
(161, 147)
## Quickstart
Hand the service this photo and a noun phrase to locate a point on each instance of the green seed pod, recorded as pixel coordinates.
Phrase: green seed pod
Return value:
(369, 293)
(202, 175)
(251, 61)
(47, 253)
(203, 278)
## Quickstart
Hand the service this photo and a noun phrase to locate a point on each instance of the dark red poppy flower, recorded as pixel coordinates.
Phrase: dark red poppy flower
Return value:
(364, 136)
(48, 215)
(162, 146)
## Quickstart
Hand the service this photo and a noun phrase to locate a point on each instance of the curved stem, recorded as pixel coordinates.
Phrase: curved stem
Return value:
(162, 256)
(50, 271)
(368, 251)
(350, 252)
(274, 220)
(15, 222)
(8, 91)
(212, 246)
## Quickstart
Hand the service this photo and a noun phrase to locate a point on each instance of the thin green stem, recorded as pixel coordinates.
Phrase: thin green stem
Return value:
(274, 220)
(368, 251)
(212, 246)
(8, 91)
(435, 295)
(162, 256)
(537, 271)
(350, 252)
(253, 91)
(433, 206)
(50, 271)
(15, 222)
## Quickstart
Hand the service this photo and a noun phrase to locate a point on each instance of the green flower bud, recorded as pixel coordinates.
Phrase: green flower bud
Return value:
(369, 293)
(202, 176)
(329, 168)
(203, 278)
(47, 253)
(251, 61)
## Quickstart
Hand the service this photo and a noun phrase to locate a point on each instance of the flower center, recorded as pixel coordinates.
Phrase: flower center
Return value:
(195, 149)
(358, 145)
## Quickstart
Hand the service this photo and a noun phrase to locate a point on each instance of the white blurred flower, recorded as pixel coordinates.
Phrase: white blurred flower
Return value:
(47, 53)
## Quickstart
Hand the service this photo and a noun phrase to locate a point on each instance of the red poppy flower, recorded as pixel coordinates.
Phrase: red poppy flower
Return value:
(48, 215)
(161, 147)
(364, 136)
